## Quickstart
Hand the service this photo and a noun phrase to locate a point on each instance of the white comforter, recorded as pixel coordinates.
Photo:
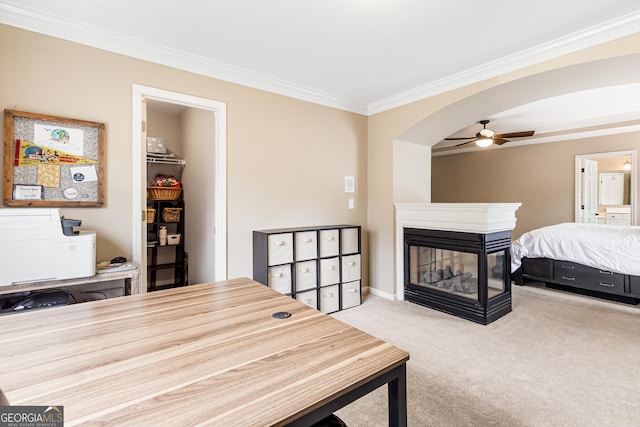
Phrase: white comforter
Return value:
(609, 247)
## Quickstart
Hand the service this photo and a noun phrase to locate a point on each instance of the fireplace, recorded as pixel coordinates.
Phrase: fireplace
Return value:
(464, 274)
(456, 258)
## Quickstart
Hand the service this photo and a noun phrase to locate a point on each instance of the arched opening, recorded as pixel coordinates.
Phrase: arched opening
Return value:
(435, 127)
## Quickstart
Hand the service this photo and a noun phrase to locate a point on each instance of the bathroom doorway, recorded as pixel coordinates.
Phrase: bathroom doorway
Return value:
(591, 205)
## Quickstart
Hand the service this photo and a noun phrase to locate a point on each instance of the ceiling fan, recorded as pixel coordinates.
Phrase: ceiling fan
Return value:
(486, 137)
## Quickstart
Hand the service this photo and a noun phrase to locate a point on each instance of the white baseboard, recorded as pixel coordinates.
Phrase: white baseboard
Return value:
(379, 293)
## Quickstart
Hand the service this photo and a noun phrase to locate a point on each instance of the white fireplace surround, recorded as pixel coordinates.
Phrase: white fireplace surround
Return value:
(481, 218)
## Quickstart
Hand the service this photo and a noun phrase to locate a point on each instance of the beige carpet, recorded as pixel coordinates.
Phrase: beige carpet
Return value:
(557, 359)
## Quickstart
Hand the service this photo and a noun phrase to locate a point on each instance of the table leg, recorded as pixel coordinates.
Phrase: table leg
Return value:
(397, 391)
(396, 381)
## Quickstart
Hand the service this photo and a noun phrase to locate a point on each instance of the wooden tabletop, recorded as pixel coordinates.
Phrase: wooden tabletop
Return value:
(209, 354)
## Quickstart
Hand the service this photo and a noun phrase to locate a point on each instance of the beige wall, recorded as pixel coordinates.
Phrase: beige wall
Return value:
(165, 125)
(428, 121)
(541, 177)
(286, 158)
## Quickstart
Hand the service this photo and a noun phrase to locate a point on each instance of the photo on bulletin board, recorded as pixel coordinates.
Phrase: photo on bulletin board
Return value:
(52, 161)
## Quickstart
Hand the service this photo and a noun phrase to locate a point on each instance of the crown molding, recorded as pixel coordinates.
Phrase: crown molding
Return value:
(88, 35)
(92, 36)
(598, 34)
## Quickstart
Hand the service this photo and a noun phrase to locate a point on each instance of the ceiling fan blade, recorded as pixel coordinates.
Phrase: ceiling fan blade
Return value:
(514, 134)
(458, 139)
(468, 142)
(500, 141)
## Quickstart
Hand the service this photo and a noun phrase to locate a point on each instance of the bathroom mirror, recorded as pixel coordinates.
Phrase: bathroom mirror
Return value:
(604, 188)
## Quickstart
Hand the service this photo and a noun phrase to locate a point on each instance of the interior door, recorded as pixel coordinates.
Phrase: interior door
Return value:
(590, 191)
(143, 229)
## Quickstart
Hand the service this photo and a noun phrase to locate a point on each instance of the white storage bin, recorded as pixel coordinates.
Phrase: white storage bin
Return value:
(350, 294)
(330, 299)
(329, 271)
(173, 239)
(350, 241)
(280, 278)
(306, 245)
(350, 268)
(329, 240)
(305, 275)
(280, 248)
(308, 297)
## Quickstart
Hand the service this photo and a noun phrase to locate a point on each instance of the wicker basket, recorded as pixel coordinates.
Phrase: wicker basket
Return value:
(164, 193)
(171, 214)
(151, 215)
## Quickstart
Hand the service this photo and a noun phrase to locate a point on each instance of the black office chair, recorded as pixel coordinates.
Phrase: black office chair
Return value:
(330, 421)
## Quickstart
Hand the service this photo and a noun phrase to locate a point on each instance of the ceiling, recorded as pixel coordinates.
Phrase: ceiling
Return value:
(364, 56)
(588, 113)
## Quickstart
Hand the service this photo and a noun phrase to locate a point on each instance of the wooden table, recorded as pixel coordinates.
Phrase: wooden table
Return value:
(209, 354)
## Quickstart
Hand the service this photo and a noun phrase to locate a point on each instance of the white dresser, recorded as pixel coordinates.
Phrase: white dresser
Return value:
(618, 215)
(319, 266)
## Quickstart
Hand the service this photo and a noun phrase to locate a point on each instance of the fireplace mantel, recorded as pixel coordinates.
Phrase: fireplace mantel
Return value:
(466, 217)
(481, 218)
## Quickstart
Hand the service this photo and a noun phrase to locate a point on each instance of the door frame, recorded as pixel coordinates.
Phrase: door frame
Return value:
(139, 184)
(588, 195)
(632, 189)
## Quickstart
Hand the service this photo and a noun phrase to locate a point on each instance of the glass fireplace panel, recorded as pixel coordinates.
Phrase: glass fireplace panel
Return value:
(497, 274)
(449, 271)
(469, 276)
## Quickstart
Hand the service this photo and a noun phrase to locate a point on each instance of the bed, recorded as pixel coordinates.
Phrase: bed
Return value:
(592, 258)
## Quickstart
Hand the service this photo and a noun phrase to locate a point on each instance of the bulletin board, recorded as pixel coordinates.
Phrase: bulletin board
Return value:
(52, 161)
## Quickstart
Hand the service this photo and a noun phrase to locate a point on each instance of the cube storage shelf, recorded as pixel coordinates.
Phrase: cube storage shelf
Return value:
(319, 266)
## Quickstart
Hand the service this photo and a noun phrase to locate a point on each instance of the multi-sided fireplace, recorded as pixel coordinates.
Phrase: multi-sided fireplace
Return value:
(464, 274)
(459, 266)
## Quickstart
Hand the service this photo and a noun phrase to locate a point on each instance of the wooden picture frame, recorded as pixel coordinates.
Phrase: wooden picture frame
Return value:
(64, 157)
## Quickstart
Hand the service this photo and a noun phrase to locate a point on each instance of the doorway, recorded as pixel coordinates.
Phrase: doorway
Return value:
(217, 227)
(591, 205)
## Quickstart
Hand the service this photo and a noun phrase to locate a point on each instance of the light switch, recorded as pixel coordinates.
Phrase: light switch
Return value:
(349, 184)
(352, 204)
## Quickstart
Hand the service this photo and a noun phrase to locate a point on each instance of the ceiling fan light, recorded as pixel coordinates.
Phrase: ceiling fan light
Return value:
(484, 142)
(487, 133)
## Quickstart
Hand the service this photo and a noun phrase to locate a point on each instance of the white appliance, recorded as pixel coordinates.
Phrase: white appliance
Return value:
(33, 248)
